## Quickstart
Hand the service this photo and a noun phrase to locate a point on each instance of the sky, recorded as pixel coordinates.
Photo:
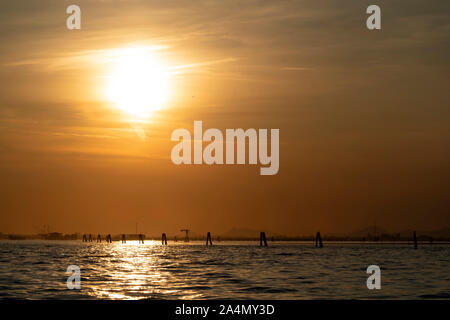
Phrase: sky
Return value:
(363, 116)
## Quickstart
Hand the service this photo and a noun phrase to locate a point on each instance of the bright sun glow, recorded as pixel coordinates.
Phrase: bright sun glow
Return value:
(138, 83)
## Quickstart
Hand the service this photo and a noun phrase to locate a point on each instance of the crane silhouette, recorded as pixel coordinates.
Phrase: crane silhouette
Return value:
(186, 238)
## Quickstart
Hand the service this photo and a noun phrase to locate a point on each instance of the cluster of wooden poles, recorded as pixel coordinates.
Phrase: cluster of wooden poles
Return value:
(99, 238)
(262, 239)
(141, 237)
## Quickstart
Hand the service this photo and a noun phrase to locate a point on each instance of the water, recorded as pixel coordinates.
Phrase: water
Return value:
(228, 270)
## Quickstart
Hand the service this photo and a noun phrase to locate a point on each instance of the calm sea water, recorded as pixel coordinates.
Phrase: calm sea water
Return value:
(238, 270)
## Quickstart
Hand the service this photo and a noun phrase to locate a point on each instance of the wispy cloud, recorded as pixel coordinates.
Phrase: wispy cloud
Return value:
(179, 69)
(85, 57)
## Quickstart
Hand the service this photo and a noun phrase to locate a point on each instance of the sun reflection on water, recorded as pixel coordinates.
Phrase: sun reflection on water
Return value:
(131, 270)
(33, 270)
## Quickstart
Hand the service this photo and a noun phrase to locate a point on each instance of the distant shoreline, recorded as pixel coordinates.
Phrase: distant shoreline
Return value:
(255, 240)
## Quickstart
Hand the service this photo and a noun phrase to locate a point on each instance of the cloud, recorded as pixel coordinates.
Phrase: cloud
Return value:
(179, 69)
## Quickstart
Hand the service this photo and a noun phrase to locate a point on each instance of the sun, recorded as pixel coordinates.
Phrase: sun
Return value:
(138, 83)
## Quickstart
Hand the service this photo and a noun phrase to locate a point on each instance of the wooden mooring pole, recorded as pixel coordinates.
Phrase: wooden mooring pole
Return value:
(262, 238)
(319, 240)
(208, 239)
(415, 240)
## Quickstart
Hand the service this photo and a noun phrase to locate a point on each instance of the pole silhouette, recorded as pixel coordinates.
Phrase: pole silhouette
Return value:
(319, 240)
(208, 239)
(262, 239)
(415, 240)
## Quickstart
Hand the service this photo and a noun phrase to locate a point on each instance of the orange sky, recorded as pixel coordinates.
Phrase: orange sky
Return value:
(363, 116)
